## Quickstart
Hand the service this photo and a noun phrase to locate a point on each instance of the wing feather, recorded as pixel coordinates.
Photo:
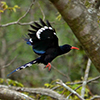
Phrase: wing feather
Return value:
(49, 25)
(35, 28)
(41, 21)
(43, 37)
(32, 31)
(39, 26)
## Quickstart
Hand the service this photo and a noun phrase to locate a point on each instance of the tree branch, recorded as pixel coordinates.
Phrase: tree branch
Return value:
(18, 21)
(7, 94)
(42, 91)
(95, 97)
(85, 77)
(48, 92)
(73, 83)
(61, 73)
(26, 11)
(91, 80)
(8, 63)
(72, 91)
(41, 11)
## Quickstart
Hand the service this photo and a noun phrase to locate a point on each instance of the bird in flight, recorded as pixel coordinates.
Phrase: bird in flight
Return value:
(44, 42)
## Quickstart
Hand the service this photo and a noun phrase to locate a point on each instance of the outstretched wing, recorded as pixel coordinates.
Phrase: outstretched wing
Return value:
(42, 37)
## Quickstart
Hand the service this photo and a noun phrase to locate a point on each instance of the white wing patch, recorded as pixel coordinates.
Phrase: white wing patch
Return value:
(50, 28)
(45, 27)
(38, 33)
(30, 40)
(54, 33)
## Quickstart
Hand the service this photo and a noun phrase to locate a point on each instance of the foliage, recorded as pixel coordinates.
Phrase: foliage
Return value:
(65, 92)
(10, 82)
(58, 17)
(6, 7)
(57, 88)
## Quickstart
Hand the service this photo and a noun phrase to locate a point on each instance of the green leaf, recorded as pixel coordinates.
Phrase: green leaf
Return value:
(46, 84)
(58, 17)
(1, 11)
(14, 9)
(1, 80)
(16, 6)
(4, 5)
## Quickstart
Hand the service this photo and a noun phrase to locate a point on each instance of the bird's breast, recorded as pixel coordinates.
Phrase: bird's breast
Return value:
(50, 54)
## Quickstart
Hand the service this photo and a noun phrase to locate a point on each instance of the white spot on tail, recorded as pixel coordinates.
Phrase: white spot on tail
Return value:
(23, 67)
(29, 65)
(34, 62)
(17, 69)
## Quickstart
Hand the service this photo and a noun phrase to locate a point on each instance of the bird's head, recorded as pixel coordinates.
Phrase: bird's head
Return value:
(66, 48)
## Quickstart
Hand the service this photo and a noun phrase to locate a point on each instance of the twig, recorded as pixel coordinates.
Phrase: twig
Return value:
(41, 11)
(61, 73)
(18, 21)
(72, 93)
(9, 63)
(91, 80)
(71, 90)
(73, 83)
(95, 97)
(85, 78)
(26, 11)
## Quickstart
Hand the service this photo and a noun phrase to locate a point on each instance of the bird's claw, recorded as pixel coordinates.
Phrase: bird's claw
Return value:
(49, 66)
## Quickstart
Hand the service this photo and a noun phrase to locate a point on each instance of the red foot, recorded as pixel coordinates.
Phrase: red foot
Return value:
(49, 66)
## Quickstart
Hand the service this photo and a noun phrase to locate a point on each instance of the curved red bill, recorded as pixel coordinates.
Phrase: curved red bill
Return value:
(74, 48)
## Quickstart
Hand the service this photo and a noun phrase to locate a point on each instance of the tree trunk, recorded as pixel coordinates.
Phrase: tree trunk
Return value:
(84, 25)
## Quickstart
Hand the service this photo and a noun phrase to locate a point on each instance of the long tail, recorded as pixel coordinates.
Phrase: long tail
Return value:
(25, 66)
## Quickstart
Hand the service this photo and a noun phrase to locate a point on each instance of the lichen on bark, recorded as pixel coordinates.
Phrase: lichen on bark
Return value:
(84, 26)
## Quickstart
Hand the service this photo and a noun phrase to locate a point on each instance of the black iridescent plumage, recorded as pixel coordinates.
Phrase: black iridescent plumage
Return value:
(44, 42)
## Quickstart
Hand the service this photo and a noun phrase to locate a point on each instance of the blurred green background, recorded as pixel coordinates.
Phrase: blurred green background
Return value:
(12, 45)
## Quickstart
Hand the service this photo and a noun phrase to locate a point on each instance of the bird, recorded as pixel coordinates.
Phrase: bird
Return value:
(44, 41)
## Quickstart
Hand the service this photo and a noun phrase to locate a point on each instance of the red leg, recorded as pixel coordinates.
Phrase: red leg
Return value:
(49, 66)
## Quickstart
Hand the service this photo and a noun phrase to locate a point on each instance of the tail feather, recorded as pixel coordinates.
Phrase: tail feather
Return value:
(24, 66)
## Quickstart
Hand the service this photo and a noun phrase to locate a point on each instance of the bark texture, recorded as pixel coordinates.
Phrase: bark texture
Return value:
(84, 25)
(11, 93)
(7, 94)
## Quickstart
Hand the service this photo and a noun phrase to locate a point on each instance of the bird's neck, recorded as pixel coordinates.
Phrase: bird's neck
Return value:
(61, 50)
(64, 49)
